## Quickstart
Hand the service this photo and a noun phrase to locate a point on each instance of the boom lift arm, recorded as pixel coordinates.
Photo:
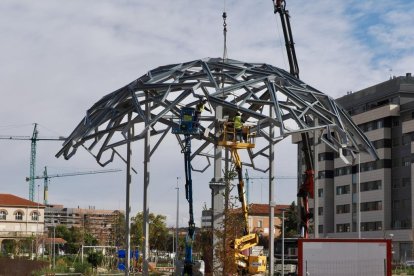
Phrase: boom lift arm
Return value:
(280, 7)
(188, 126)
(306, 189)
(188, 261)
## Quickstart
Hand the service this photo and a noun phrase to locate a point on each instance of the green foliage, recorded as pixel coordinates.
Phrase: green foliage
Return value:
(72, 236)
(61, 266)
(95, 259)
(118, 230)
(158, 232)
(9, 246)
(83, 268)
(89, 239)
(291, 221)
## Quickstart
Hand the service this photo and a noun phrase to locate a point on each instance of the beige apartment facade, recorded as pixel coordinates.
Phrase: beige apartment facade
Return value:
(385, 113)
(258, 218)
(20, 218)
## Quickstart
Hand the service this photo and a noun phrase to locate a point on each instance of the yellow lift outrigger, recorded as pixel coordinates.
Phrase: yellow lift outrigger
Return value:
(250, 264)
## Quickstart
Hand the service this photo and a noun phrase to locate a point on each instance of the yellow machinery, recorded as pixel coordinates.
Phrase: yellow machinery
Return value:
(234, 141)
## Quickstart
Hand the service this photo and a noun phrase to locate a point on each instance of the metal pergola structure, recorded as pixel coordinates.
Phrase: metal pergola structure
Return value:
(273, 101)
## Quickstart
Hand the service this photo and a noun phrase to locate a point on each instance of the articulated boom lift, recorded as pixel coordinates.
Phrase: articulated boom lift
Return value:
(188, 126)
(306, 189)
(252, 264)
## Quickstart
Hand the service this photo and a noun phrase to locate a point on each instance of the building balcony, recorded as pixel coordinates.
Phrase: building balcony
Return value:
(408, 126)
(18, 234)
(377, 113)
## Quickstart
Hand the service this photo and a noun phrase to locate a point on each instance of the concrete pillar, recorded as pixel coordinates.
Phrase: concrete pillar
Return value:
(217, 187)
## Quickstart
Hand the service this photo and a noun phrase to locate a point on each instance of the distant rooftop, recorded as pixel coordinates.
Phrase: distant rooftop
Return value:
(263, 209)
(12, 200)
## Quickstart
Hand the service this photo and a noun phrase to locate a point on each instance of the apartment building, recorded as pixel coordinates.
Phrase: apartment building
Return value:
(258, 218)
(99, 223)
(385, 113)
(20, 218)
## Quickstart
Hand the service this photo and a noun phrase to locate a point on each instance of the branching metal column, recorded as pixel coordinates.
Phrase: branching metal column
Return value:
(145, 225)
(217, 199)
(272, 202)
(128, 206)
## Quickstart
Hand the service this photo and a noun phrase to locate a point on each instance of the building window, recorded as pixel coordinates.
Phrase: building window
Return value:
(345, 227)
(341, 190)
(320, 228)
(325, 174)
(371, 206)
(343, 209)
(18, 215)
(326, 156)
(320, 192)
(320, 211)
(406, 162)
(395, 122)
(260, 224)
(35, 216)
(3, 215)
(371, 226)
(371, 185)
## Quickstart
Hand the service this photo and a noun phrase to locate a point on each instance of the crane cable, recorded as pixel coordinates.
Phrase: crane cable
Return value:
(224, 32)
(224, 42)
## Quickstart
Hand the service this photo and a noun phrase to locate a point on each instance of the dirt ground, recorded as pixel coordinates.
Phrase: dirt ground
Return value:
(19, 267)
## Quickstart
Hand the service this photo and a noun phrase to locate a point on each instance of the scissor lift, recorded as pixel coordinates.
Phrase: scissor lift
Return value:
(251, 264)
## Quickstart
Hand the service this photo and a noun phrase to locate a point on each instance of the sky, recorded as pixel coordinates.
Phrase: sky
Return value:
(59, 57)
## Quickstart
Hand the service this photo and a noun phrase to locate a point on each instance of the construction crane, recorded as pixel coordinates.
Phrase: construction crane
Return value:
(34, 138)
(306, 190)
(246, 264)
(46, 177)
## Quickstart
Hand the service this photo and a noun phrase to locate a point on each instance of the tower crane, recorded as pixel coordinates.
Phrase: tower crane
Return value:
(46, 177)
(34, 138)
(306, 190)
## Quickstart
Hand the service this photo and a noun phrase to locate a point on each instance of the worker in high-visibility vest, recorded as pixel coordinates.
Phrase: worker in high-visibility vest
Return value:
(200, 107)
(238, 126)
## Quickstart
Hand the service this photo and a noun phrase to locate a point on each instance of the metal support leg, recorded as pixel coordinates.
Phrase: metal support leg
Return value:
(272, 202)
(217, 200)
(128, 207)
(145, 225)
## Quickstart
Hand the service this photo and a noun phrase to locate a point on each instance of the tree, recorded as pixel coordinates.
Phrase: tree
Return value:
(95, 259)
(232, 228)
(158, 232)
(291, 221)
(89, 239)
(73, 237)
(117, 229)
